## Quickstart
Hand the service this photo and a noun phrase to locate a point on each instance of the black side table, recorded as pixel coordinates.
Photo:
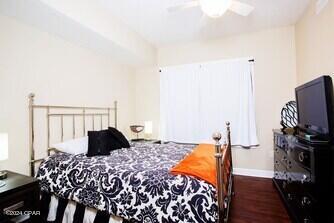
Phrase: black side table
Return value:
(19, 198)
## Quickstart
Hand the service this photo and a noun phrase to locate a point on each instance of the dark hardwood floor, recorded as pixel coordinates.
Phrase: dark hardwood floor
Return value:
(256, 200)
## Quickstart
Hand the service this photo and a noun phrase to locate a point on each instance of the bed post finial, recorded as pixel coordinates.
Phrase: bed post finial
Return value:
(217, 136)
(228, 125)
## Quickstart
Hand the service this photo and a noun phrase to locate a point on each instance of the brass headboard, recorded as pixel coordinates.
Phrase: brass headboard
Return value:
(56, 111)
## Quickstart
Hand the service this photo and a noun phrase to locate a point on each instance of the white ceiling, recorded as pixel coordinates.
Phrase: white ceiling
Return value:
(83, 23)
(152, 21)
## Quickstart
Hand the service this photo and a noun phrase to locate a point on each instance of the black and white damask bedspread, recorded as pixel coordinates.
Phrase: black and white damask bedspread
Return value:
(132, 183)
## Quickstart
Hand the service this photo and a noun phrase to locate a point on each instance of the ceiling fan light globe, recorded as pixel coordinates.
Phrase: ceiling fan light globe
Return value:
(215, 8)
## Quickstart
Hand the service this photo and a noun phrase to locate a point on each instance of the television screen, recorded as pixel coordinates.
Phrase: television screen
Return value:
(314, 106)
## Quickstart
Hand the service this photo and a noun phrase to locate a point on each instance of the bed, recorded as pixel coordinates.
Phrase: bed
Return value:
(132, 184)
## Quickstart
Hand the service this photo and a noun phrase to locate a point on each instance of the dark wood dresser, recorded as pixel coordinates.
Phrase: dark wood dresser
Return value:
(303, 175)
(19, 199)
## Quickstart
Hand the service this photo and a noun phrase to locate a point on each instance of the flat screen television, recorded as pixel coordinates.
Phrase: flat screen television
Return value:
(315, 107)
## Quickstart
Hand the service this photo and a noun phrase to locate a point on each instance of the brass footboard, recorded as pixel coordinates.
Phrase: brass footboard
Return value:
(224, 169)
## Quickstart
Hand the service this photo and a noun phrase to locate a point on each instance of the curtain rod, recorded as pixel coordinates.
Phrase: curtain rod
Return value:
(250, 61)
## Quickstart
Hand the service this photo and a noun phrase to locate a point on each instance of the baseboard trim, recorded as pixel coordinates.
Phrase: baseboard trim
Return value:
(253, 172)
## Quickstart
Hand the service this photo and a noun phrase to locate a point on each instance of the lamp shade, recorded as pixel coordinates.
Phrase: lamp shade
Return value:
(148, 127)
(3, 146)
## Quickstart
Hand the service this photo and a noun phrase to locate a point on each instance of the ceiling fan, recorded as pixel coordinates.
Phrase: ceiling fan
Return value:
(215, 8)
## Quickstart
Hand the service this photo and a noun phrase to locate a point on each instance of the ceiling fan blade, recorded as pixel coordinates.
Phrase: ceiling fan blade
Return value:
(241, 8)
(185, 5)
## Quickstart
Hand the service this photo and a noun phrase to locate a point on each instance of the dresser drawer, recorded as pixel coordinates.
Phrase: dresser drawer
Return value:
(300, 154)
(280, 171)
(280, 155)
(280, 141)
(298, 173)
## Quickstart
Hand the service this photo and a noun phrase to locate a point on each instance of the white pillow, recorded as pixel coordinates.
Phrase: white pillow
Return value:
(73, 146)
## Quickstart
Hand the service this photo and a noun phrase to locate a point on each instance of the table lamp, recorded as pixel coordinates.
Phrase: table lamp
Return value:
(3, 155)
(148, 128)
(137, 129)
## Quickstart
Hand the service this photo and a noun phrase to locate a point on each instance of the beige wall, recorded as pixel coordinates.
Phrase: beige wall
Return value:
(59, 73)
(62, 73)
(275, 80)
(148, 98)
(315, 43)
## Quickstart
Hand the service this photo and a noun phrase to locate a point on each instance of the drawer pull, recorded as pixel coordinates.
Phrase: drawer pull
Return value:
(304, 179)
(306, 220)
(301, 157)
(306, 201)
(284, 185)
(14, 206)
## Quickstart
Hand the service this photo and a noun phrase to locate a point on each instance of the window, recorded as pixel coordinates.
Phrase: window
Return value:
(197, 99)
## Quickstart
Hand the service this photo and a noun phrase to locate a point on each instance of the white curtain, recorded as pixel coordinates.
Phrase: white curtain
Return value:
(197, 99)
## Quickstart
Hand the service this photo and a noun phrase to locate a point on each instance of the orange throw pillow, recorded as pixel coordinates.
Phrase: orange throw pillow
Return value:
(201, 163)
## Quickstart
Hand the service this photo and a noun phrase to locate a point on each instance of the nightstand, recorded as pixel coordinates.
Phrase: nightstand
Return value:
(19, 199)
